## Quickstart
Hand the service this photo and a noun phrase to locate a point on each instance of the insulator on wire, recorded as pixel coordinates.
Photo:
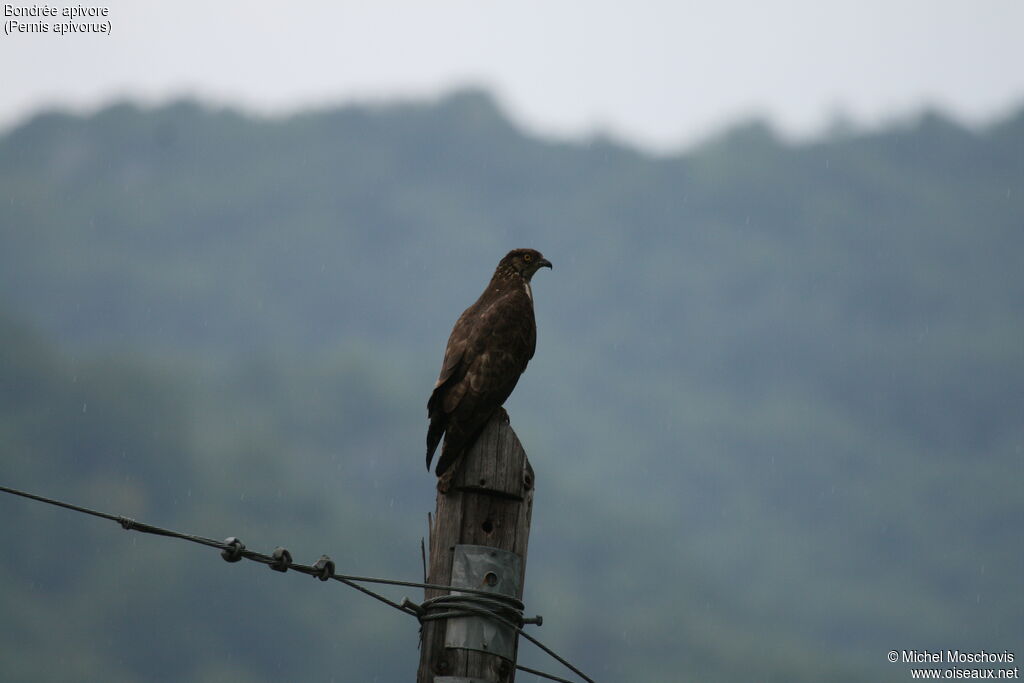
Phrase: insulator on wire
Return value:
(324, 567)
(234, 553)
(282, 559)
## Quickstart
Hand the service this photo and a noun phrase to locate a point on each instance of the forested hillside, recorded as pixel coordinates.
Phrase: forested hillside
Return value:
(776, 412)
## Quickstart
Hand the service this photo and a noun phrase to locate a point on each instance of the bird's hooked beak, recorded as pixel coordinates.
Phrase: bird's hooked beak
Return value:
(544, 263)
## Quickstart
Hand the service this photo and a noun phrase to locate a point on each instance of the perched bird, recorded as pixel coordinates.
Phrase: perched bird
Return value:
(489, 347)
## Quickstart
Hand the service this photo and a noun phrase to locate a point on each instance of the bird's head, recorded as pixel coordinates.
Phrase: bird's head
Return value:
(525, 262)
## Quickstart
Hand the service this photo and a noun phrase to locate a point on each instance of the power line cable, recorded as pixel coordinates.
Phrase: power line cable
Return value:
(541, 674)
(470, 602)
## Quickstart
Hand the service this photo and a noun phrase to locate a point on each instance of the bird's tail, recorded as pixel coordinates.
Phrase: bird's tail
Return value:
(448, 457)
(434, 433)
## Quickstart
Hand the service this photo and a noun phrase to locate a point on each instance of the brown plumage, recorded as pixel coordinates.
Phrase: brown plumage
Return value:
(489, 347)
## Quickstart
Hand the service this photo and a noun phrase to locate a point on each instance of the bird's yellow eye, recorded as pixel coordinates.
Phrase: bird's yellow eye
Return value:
(527, 257)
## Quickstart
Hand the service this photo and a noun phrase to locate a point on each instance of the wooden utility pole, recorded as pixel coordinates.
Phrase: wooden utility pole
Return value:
(489, 504)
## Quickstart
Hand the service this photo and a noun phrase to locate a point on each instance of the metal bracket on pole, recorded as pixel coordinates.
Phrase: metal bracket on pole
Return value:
(487, 569)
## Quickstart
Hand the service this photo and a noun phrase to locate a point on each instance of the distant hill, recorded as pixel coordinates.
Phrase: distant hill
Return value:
(775, 410)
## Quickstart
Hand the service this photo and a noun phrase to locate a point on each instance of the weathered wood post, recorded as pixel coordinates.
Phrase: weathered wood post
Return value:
(489, 503)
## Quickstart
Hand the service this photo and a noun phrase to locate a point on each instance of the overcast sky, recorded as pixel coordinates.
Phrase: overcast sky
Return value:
(660, 74)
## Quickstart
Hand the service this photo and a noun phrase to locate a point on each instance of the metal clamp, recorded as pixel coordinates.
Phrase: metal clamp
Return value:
(492, 570)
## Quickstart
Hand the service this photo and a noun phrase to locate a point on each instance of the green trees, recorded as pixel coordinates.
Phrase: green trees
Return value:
(801, 362)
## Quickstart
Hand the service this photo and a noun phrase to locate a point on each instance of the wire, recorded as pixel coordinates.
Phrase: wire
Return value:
(470, 602)
(464, 607)
(550, 677)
